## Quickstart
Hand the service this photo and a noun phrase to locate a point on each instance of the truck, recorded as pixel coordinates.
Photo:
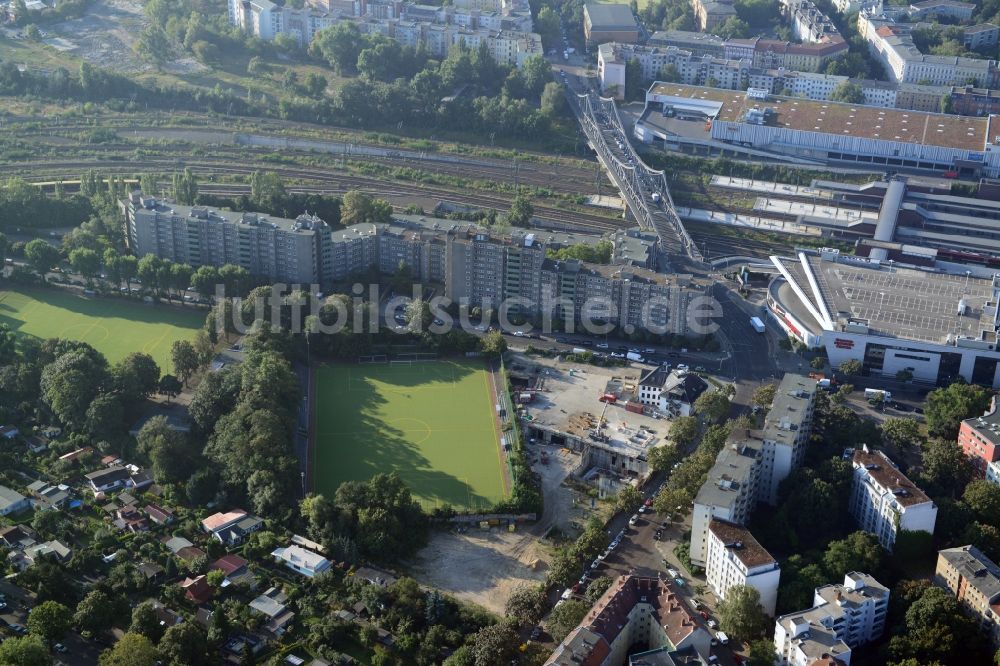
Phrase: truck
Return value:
(634, 356)
(757, 324)
(877, 394)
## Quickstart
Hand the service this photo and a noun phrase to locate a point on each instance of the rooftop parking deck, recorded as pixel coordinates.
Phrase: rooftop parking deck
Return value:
(899, 302)
(869, 122)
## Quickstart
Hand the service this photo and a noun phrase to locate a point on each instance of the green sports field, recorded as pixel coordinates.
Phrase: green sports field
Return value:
(112, 326)
(431, 422)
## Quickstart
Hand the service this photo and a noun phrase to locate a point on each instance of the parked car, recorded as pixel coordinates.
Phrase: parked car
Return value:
(672, 573)
(634, 519)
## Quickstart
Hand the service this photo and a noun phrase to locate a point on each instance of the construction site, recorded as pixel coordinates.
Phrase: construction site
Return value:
(592, 411)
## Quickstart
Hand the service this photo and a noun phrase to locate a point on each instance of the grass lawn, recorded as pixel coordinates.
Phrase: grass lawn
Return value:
(113, 327)
(431, 422)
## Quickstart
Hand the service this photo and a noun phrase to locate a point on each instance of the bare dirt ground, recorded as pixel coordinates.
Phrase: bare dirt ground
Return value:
(106, 35)
(485, 567)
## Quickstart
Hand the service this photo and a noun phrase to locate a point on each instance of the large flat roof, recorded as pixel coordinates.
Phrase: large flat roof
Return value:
(605, 16)
(980, 571)
(731, 470)
(869, 122)
(791, 400)
(898, 302)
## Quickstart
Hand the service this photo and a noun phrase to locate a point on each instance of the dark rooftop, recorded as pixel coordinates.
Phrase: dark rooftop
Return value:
(610, 17)
(741, 542)
(886, 474)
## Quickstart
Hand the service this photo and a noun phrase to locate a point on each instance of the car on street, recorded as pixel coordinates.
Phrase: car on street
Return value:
(672, 573)
(634, 519)
(60, 648)
(712, 624)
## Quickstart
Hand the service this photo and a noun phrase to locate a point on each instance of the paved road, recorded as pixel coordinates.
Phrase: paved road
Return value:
(79, 652)
(640, 553)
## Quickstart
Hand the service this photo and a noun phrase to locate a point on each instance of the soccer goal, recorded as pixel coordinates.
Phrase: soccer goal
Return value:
(373, 358)
(414, 357)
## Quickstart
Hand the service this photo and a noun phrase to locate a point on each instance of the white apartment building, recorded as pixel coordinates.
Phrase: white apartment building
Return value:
(753, 462)
(729, 493)
(993, 472)
(692, 69)
(809, 24)
(884, 501)
(506, 31)
(787, 427)
(802, 639)
(843, 616)
(893, 45)
(671, 392)
(736, 558)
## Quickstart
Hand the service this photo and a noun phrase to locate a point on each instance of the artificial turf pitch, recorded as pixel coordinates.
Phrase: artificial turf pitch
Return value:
(113, 326)
(432, 422)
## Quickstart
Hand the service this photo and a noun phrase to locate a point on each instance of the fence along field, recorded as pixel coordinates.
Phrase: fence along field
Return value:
(433, 422)
(114, 327)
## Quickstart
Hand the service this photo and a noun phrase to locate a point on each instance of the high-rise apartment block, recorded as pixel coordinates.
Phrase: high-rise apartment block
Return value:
(884, 502)
(843, 617)
(753, 462)
(736, 558)
(471, 265)
(974, 579)
(292, 251)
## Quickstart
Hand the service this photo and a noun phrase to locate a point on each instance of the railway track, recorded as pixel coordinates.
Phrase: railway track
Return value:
(556, 177)
(326, 182)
